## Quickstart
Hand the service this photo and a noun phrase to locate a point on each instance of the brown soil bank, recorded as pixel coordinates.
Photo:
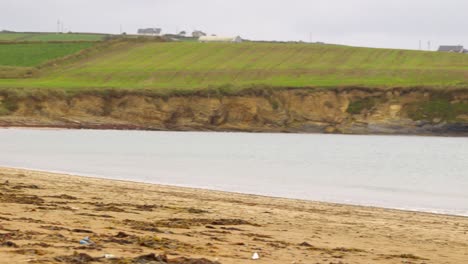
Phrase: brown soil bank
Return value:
(344, 110)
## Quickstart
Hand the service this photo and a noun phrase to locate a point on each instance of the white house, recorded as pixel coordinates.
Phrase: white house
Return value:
(219, 39)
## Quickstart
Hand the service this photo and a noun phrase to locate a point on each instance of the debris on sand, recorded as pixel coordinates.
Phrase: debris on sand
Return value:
(196, 211)
(189, 222)
(6, 236)
(86, 241)
(96, 215)
(20, 199)
(109, 208)
(109, 256)
(8, 244)
(30, 220)
(162, 259)
(63, 196)
(305, 244)
(255, 256)
(406, 256)
(18, 235)
(150, 258)
(122, 240)
(54, 228)
(25, 186)
(41, 245)
(146, 207)
(77, 230)
(122, 235)
(31, 252)
(142, 225)
(76, 258)
(232, 222)
(231, 228)
(192, 261)
(155, 242)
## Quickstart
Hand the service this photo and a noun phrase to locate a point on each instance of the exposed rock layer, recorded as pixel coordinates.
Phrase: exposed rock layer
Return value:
(346, 110)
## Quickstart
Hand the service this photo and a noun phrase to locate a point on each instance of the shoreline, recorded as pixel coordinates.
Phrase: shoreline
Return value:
(46, 214)
(194, 188)
(60, 128)
(111, 127)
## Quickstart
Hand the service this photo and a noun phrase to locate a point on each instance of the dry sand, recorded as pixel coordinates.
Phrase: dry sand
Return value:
(43, 217)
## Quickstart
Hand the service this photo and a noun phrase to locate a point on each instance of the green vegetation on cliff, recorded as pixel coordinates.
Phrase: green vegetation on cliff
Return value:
(193, 66)
(441, 109)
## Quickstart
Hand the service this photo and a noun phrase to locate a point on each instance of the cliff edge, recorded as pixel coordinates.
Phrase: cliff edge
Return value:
(418, 111)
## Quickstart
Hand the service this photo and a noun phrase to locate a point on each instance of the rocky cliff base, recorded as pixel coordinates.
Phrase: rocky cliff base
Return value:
(344, 110)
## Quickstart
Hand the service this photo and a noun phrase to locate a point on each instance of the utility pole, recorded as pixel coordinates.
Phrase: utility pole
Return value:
(58, 26)
(429, 45)
(120, 29)
(420, 45)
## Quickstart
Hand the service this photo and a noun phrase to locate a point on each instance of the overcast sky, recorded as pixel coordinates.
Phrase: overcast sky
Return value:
(370, 23)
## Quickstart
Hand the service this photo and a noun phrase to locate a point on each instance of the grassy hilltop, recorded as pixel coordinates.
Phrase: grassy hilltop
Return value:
(22, 37)
(189, 66)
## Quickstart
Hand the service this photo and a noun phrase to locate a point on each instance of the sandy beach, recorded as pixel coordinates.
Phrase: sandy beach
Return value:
(44, 216)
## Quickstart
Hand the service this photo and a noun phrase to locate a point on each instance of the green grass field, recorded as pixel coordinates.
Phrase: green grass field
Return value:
(27, 55)
(189, 66)
(13, 36)
(20, 37)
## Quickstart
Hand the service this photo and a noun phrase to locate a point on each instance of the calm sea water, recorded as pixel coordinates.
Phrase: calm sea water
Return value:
(415, 173)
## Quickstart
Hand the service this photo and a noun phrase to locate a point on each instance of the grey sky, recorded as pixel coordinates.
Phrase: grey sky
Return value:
(372, 23)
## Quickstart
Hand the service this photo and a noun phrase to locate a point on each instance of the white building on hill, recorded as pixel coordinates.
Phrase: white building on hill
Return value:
(219, 39)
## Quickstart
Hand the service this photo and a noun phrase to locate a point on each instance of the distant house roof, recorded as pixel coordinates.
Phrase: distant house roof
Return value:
(455, 49)
(198, 33)
(149, 31)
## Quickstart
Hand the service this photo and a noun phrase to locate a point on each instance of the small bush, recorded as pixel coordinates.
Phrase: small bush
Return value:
(274, 104)
(440, 108)
(8, 106)
(357, 106)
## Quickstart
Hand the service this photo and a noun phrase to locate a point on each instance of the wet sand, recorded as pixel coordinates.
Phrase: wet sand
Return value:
(44, 216)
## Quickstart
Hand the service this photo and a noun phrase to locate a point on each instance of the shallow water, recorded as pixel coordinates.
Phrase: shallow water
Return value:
(416, 173)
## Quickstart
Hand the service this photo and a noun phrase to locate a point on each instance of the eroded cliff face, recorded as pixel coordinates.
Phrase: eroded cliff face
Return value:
(350, 110)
